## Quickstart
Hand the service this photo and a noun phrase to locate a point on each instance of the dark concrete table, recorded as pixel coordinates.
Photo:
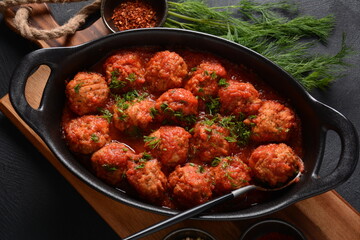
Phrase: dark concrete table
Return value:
(37, 203)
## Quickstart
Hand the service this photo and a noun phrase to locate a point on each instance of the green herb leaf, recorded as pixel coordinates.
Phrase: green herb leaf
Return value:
(131, 77)
(264, 28)
(106, 114)
(115, 82)
(212, 105)
(153, 112)
(77, 87)
(223, 83)
(109, 168)
(140, 166)
(94, 138)
(215, 162)
(152, 142)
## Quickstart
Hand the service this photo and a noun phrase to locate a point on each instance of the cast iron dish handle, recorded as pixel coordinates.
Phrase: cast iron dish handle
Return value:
(50, 57)
(349, 154)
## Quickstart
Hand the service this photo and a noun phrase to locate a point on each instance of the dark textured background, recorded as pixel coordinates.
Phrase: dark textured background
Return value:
(36, 202)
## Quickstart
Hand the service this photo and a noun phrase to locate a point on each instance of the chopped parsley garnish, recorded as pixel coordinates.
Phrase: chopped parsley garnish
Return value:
(152, 142)
(146, 156)
(134, 95)
(224, 165)
(178, 114)
(243, 133)
(109, 168)
(122, 116)
(188, 118)
(239, 131)
(77, 87)
(122, 105)
(215, 162)
(94, 138)
(115, 82)
(213, 75)
(201, 169)
(140, 166)
(153, 112)
(230, 139)
(131, 77)
(165, 107)
(106, 114)
(213, 105)
(223, 83)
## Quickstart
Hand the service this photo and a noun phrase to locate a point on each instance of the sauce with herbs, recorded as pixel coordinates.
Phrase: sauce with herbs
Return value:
(180, 126)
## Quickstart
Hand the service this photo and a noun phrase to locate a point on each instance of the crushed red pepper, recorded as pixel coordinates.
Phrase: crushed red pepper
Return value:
(132, 14)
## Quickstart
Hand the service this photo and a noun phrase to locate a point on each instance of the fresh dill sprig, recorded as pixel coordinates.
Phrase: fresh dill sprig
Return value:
(267, 29)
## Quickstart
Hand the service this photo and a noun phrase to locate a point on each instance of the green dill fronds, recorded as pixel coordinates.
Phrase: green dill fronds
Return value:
(267, 29)
(212, 105)
(152, 142)
(109, 168)
(106, 114)
(77, 87)
(94, 138)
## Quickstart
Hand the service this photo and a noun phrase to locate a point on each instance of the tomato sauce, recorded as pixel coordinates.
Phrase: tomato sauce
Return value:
(133, 137)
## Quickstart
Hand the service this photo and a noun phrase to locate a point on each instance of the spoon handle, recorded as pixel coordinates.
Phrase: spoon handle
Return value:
(189, 213)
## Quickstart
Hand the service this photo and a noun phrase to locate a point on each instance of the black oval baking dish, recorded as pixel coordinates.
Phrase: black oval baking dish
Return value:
(316, 117)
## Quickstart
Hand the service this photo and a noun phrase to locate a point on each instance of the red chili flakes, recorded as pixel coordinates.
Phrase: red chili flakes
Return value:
(132, 14)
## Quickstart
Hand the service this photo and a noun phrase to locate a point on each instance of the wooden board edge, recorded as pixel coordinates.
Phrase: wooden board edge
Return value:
(345, 202)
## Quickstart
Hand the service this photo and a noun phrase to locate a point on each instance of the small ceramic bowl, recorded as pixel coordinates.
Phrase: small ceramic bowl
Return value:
(192, 233)
(108, 6)
(271, 228)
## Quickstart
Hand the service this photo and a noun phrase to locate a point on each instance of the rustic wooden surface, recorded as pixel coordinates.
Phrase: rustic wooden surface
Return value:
(326, 216)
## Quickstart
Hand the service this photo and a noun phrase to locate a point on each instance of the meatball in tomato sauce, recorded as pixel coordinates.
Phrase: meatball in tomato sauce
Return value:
(190, 185)
(124, 71)
(165, 70)
(131, 114)
(239, 98)
(209, 141)
(229, 173)
(110, 162)
(273, 123)
(169, 144)
(87, 92)
(204, 81)
(177, 105)
(87, 134)
(148, 180)
(275, 164)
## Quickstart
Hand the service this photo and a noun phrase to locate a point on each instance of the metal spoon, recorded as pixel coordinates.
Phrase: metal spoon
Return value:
(201, 208)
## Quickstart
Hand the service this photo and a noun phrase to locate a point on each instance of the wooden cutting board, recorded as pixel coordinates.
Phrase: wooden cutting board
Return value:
(326, 216)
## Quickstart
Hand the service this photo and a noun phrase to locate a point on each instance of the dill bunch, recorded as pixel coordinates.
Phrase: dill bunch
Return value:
(267, 29)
